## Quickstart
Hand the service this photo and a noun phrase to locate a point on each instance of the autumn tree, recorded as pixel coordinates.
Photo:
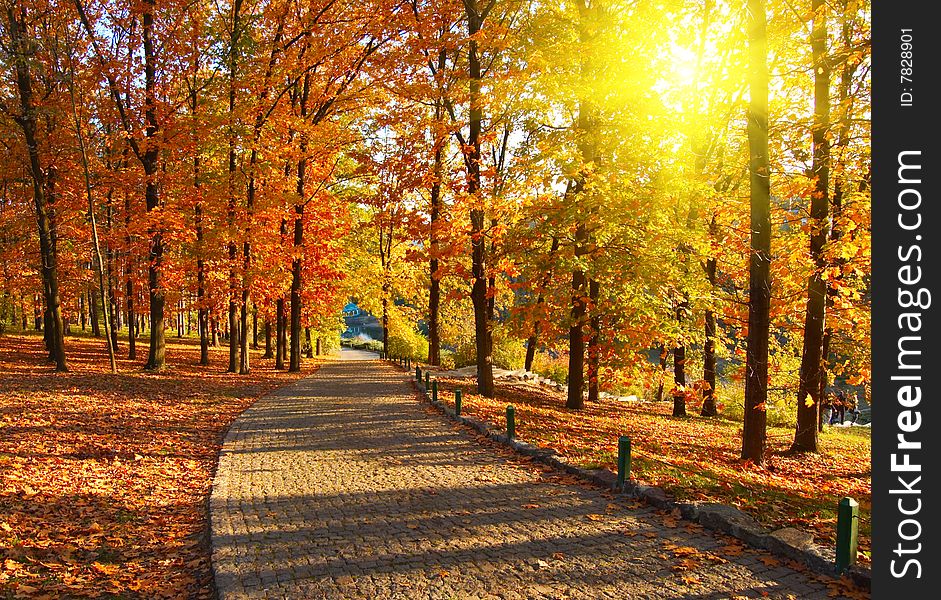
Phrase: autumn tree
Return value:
(21, 52)
(147, 152)
(811, 370)
(759, 290)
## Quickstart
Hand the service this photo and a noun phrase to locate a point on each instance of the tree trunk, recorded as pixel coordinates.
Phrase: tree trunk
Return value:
(812, 356)
(297, 282)
(82, 309)
(132, 328)
(531, 343)
(280, 319)
(202, 311)
(232, 60)
(434, 288)
(482, 326)
(296, 279)
(679, 366)
(244, 362)
(19, 48)
(156, 357)
(709, 408)
(594, 342)
(93, 306)
(759, 296)
(254, 326)
(586, 148)
(268, 352)
(309, 345)
(281, 337)
(385, 317)
(579, 311)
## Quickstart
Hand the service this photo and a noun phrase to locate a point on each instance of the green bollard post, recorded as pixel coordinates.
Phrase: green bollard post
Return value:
(624, 460)
(510, 421)
(434, 390)
(427, 379)
(847, 534)
(418, 374)
(457, 402)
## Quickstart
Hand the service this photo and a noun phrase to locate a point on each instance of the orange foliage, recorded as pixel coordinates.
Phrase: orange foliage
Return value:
(104, 478)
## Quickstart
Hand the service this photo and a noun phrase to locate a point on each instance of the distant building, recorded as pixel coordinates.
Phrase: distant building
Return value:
(360, 323)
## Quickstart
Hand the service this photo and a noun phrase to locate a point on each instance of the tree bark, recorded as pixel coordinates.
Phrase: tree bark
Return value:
(297, 281)
(759, 296)
(202, 311)
(584, 125)
(679, 366)
(20, 49)
(93, 306)
(254, 326)
(594, 342)
(232, 60)
(579, 312)
(434, 288)
(297, 278)
(268, 351)
(281, 335)
(482, 325)
(809, 399)
(709, 408)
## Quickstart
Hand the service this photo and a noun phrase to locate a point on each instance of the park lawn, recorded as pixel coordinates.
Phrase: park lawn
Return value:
(694, 458)
(104, 479)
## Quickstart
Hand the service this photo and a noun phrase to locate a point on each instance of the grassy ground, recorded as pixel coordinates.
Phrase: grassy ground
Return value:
(104, 478)
(695, 458)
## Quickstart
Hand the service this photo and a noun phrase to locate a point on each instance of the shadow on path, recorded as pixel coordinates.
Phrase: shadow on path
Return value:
(344, 486)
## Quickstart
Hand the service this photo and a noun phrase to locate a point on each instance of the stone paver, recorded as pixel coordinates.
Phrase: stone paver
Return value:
(344, 485)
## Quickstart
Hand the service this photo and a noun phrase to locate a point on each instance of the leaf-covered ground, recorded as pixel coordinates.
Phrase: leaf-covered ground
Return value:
(104, 478)
(694, 458)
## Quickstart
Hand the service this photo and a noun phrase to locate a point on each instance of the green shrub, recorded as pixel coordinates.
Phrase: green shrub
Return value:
(508, 352)
(781, 411)
(556, 369)
(408, 343)
(447, 359)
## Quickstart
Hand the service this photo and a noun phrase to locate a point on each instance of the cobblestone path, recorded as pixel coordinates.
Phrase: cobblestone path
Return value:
(344, 485)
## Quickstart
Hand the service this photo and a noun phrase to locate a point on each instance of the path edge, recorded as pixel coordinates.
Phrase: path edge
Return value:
(217, 592)
(787, 542)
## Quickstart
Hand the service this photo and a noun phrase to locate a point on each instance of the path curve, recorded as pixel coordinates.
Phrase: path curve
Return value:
(343, 485)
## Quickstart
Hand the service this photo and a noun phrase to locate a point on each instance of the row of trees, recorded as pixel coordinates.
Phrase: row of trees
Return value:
(597, 178)
(634, 177)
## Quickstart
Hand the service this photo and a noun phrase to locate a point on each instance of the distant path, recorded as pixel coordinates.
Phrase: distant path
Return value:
(343, 486)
